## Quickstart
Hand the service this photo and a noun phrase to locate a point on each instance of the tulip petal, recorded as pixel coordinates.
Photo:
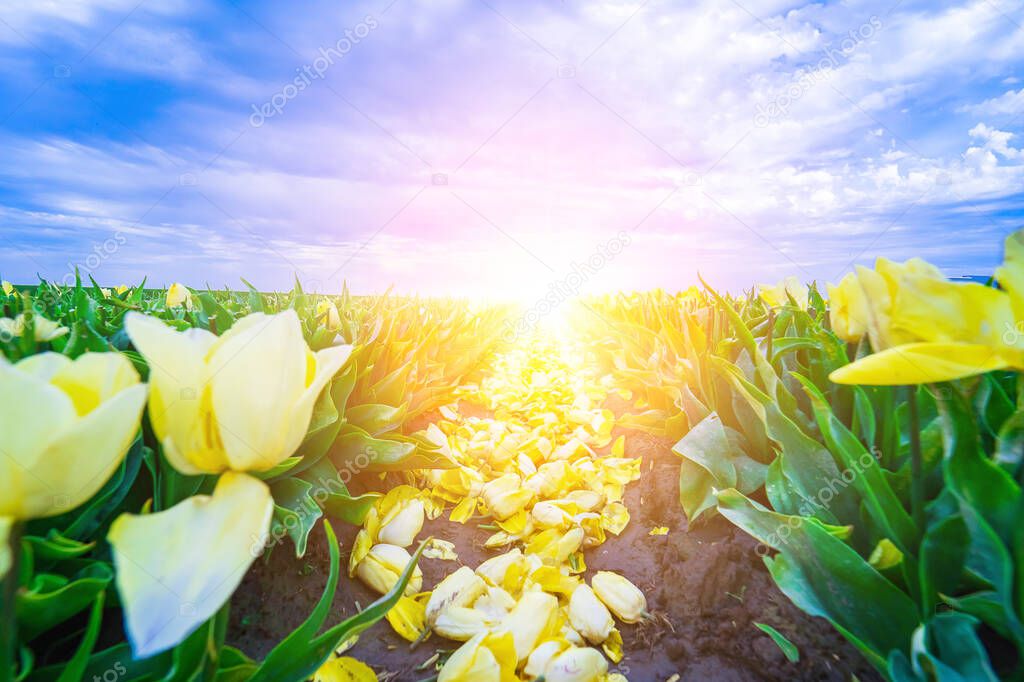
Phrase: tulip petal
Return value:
(345, 669)
(178, 401)
(177, 567)
(920, 363)
(258, 372)
(328, 362)
(94, 378)
(84, 455)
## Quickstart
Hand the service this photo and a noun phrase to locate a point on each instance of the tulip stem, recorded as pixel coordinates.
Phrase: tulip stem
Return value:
(8, 617)
(916, 464)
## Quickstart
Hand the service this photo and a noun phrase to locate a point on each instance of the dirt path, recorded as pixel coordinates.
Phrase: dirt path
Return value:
(706, 587)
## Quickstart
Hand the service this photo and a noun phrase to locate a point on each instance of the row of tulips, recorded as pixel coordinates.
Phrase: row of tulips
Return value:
(871, 443)
(257, 403)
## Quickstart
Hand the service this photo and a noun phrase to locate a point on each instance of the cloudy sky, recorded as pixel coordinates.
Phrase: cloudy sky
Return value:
(496, 146)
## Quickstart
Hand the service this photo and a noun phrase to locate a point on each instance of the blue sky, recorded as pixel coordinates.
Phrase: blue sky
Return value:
(494, 147)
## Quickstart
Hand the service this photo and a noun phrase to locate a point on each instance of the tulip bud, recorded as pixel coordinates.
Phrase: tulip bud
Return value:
(461, 588)
(589, 616)
(622, 597)
(577, 665)
(382, 567)
(329, 312)
(505, 496)
(404, 525)
(177, 295)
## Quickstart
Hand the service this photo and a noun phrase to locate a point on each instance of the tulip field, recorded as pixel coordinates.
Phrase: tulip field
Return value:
(792, 482)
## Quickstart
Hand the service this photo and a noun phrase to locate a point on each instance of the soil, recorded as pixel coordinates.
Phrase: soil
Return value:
(705, 586)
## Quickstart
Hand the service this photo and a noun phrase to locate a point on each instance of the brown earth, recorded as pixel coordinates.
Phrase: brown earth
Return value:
(706, 588)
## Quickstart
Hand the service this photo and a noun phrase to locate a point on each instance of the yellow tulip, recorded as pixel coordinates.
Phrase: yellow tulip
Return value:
(589, 616)
(241, 401)
(461, 588)
(44, 330)
(487, 657)
(178, 294)
(344, 669)
(177, 567)
(121, 288)
(382, 567)
(461, 623)
(7, 287)
(779, 294)
(328, 312)
(622, 597)
(504, 496)
(927, 329)
(577, 664)
(531, 620)
(848, 309)
(66, 428)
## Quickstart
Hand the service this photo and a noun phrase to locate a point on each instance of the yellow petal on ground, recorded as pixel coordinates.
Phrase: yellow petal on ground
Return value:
(464, 510)
(612, 647)
(408, 618)
(461, 588)
(615, 517)
(922, 363)
(176, 568)
(487, 657)
(659, 530)
(382, 567)
(441, 550)
(344, 669)
(461, 623)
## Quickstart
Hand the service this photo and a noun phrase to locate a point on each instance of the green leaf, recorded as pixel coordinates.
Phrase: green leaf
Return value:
(295, 512)
(713, 459)
(826, 577)
(868, 478)
(51, 599)
(942, 559)
(75, 668)
(787, 647)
